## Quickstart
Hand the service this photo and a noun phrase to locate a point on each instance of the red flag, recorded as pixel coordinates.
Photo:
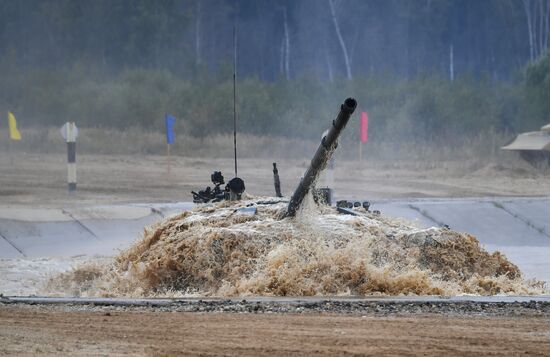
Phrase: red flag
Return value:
(364, 127)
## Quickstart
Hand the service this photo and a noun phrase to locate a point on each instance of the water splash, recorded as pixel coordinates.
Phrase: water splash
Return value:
(219, 251)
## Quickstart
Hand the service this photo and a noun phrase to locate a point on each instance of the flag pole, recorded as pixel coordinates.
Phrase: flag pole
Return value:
(363, 133)
(13, 135)
(168, 158)
(10, 151)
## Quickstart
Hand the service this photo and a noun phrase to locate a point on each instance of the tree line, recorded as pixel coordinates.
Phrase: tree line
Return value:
(424, 69)
(280, 39)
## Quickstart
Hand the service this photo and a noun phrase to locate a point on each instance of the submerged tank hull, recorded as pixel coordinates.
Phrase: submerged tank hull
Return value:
(533, 147)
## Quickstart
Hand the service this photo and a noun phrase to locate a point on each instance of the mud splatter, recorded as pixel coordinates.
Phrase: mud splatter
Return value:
(221, 251)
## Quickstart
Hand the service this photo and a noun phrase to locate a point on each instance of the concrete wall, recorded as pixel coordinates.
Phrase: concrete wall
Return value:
(517, 227)
(88, 231)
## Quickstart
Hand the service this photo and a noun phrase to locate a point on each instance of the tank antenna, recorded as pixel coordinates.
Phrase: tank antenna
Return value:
(235, 97)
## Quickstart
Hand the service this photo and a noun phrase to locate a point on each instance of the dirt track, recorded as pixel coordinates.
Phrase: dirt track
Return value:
(34, 330)
(40, 180)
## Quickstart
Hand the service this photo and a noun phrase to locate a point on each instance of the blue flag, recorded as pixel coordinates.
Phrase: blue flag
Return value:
(170, 135)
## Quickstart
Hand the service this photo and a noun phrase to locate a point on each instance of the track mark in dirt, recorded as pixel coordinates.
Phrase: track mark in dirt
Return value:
(38, 330)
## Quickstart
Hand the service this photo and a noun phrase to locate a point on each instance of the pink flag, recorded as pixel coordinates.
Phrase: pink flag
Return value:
(364, 127)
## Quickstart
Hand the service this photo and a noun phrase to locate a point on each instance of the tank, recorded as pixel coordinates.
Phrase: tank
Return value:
(533, 147)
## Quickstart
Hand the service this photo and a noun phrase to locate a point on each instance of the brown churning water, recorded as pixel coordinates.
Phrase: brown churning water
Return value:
(218, 251)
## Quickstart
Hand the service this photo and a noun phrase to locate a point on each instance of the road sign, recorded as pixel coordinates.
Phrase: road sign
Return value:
(69, 132)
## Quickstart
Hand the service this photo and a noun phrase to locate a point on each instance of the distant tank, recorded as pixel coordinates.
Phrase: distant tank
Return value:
(533, 147)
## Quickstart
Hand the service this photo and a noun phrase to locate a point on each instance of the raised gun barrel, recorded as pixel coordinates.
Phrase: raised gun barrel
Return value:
(322, 155)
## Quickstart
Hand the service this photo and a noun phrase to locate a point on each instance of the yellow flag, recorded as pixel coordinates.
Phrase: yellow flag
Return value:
(14, 133)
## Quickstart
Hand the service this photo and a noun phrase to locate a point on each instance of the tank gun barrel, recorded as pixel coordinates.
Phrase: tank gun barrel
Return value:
(321, 157)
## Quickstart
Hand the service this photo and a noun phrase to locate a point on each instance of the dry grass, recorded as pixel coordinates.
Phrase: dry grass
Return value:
(139, 141)
(476, 152)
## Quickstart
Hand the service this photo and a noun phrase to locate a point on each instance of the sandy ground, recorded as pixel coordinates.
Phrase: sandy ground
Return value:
(39, 180)
(36, 331)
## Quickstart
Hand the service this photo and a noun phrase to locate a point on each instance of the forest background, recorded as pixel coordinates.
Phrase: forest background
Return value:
(430, 73)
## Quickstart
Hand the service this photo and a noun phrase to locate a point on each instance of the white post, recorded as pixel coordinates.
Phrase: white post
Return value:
(69, 131)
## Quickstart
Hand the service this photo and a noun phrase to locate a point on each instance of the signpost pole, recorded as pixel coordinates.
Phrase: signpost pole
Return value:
(69, 131)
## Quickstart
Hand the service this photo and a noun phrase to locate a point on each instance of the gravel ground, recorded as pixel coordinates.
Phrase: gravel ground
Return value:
(375, 308)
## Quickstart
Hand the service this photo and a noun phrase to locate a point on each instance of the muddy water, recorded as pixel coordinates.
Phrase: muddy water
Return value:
(221, 250)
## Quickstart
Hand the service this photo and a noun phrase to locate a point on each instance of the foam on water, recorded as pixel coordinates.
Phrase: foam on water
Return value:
(217, 251)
